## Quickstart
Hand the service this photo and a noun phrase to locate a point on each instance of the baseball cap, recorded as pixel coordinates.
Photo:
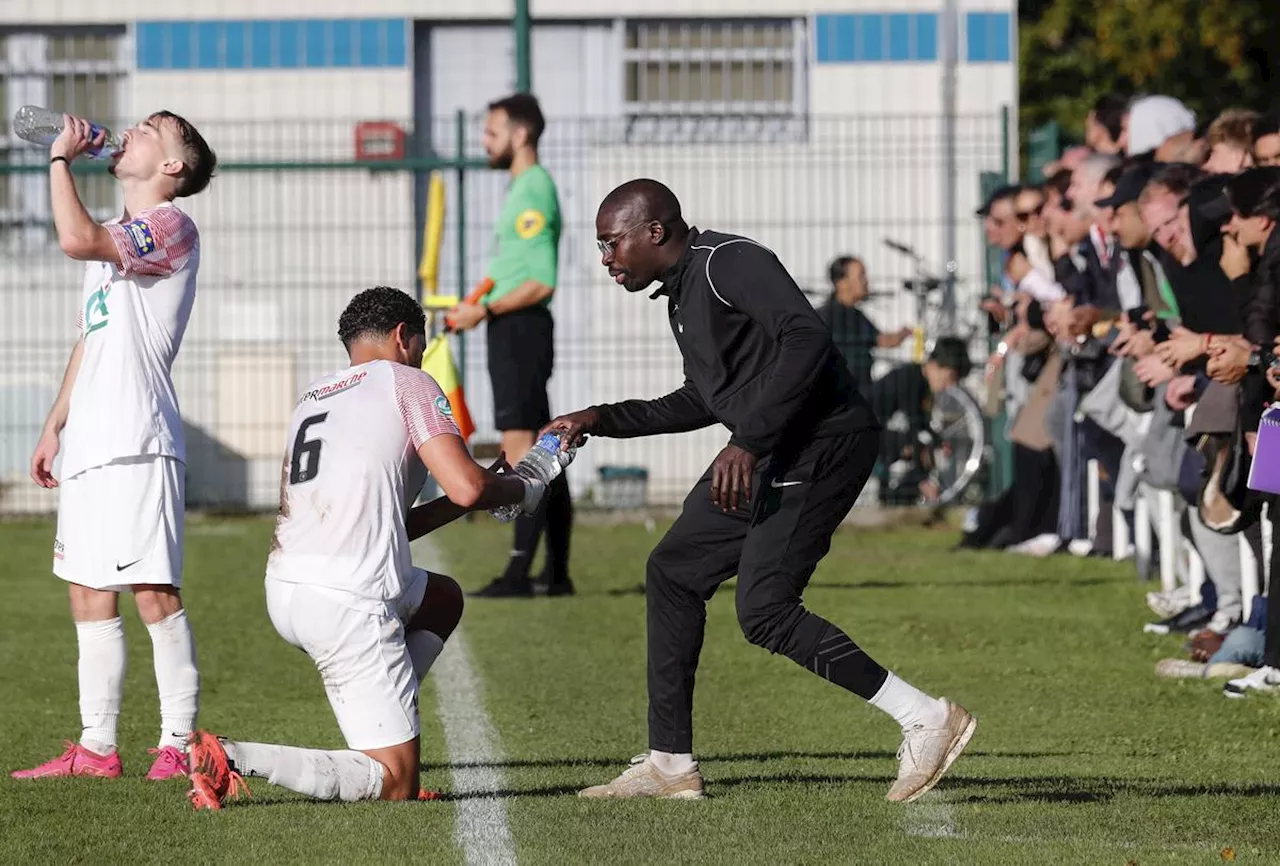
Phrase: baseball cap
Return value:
(1128, 187)
(1007, 191)
(1153, 120)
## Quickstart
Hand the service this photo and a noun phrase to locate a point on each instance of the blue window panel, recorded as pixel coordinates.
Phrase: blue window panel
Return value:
(373, 43)
(846, 39)
(872, 29)
(208, 45)
(181, 45)
(900, 38)
(235, 53)
(988, 37)
(272, 44)
(823, 38)
(836, 38)
(343, 35)
(263, 37)
(151, 41)
(877, 38)
(926, 36)
(289, 49)
(1002, 37)
(975, 31)
(315, 35)
(397, 42)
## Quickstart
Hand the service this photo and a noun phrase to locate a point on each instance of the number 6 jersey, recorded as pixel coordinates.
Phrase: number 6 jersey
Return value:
(351, 472)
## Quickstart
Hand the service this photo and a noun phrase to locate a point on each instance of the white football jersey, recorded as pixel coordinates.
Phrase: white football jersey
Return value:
(132, 319)
(351, 473)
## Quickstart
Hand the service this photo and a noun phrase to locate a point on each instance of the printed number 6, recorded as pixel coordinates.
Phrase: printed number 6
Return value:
(308, 448)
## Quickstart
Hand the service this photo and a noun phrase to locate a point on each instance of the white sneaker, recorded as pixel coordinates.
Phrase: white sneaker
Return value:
(1080, 547)
(927, 753)
(1042, 545)
(1185, 669)
(1263, 680)
(643, 779)
(1169, 603)
(1220, 623)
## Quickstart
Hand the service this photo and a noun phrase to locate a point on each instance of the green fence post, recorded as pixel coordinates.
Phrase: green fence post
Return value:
(461, 144)
(1004, 141)
(521, 25)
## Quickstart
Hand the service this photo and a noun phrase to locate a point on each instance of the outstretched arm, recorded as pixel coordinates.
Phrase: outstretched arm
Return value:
(442, 510)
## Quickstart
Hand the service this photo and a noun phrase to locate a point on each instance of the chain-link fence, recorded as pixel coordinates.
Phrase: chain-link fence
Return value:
(292, 228)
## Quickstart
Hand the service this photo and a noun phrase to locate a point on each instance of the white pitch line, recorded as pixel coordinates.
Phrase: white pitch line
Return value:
(930, 817)
(475, 750)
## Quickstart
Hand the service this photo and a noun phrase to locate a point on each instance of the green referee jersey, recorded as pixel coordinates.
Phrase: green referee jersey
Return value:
(527, 236)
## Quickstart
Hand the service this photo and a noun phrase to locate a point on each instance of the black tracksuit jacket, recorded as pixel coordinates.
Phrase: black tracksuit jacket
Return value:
(757, 357)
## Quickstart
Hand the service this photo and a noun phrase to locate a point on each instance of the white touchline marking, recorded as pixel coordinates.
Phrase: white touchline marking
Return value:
(930, 817)
(475, 750)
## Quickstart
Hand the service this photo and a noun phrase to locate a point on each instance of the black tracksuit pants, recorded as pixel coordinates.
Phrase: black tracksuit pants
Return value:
(773, 546)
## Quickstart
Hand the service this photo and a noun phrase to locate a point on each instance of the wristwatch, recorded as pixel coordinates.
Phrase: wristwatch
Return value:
(1255, 359)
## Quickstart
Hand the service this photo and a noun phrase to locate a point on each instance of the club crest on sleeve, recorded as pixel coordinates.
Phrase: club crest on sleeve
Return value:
(140, 236)
(443, 407)
(530, 223)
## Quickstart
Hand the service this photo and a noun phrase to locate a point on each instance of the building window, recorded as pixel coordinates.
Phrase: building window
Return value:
(77, 70)
(708, 78)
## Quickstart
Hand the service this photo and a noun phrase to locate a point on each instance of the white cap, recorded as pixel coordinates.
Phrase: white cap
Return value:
(1153, 120)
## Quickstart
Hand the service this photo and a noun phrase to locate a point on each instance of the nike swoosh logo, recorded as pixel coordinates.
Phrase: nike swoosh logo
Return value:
(130, 565)
(775, 483)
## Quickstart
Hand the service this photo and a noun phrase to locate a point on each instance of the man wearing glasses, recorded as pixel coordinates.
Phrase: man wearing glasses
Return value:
(519, 340)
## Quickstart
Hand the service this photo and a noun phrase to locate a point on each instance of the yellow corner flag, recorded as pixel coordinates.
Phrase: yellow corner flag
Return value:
(437, 362)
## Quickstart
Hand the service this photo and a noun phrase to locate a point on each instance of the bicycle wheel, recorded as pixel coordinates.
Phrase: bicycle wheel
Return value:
(957, 442)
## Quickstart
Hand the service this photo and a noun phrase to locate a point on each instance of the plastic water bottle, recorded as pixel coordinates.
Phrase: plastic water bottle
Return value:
(544, 462)
(41, 126)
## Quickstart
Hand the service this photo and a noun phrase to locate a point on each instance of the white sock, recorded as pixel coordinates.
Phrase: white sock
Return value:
(672, 764)
(342, 775)
(177, 679)
(101, 668)
(424, 649)
(909, 706)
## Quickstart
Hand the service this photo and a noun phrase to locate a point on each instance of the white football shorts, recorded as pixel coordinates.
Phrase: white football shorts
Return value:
(361, 655)
(121, 524)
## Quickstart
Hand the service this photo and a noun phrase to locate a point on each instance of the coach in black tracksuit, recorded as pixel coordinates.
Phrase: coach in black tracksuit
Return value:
(758, 359)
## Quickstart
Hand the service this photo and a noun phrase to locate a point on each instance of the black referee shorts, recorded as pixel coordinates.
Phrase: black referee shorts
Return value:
(521, 354)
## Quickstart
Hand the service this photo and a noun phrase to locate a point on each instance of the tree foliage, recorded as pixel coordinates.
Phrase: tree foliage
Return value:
(1211, 54)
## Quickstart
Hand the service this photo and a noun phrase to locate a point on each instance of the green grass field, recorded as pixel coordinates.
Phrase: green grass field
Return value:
(1081, 755)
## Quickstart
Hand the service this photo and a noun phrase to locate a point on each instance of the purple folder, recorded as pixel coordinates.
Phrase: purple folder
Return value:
(1264, 474)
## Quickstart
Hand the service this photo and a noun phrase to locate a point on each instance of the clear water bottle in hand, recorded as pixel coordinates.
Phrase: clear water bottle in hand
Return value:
(545, 461)
(41, 126)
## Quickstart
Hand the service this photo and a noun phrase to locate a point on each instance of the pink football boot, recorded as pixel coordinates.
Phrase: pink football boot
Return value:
(75, 761)
(169, 762)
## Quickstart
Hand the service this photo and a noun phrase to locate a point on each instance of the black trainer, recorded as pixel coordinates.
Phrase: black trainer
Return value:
(556, 588)
(502, 588)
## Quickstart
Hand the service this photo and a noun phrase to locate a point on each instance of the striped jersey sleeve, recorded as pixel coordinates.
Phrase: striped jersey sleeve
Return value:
(156, 243)
(423, 406)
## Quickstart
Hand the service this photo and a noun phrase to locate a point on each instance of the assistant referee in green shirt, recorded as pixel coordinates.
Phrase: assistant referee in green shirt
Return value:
(521, 353)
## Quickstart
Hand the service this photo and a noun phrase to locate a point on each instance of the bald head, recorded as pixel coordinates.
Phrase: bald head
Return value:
(640, 232)
(642, 199)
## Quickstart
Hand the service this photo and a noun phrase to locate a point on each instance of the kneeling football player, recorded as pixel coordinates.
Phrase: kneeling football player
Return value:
(340, 583)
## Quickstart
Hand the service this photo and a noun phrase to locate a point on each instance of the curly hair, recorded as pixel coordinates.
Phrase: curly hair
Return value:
(376, 312)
